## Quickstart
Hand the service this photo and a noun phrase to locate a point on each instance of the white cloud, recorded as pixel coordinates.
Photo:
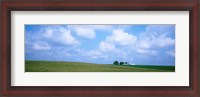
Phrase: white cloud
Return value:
(41, 46)
(163, 41)
(66, 37)
(159, 41)
(122, 38)
(88, 31)
(60, 35)
(145, 43)
(147, 52)
(91, 54)
(156, 36)
(171, 53)
(118, 37)
(85, 32)
(48, 33)
(94, 54)
(104, 46)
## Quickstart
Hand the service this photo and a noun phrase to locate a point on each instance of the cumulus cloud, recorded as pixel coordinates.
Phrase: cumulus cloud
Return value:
(88, 31)
(121, 37)
(49, 32)
(60, 35)
(156, 41)
(90, 54)
(156, 36)
(116, 45)
(104, 46)
(95, 54)
(146, 51)
(85, 32)
(41, 46)
(163, 41)
(145, 43)
(118, 38)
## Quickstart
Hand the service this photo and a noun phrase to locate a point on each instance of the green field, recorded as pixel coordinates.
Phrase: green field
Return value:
(55, 66)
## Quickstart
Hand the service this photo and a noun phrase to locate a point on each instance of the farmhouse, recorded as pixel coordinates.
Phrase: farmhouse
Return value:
(127, 63)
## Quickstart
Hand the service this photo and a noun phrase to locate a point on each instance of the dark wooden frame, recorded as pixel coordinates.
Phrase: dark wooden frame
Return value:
(99, 5)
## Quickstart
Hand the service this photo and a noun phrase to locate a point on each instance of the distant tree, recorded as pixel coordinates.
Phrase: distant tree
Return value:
(115, 62)
(121, 63)
(125, 62)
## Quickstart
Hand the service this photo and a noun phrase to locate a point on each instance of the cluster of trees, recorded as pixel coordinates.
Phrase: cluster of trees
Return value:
(119, 63)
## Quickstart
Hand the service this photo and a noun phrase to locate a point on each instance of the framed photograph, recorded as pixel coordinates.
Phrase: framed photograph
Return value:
(137, 48)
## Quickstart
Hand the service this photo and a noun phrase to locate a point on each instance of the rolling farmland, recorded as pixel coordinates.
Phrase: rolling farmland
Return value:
(55, 66)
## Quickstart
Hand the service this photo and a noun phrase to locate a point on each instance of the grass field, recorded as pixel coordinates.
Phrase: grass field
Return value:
(53, 66)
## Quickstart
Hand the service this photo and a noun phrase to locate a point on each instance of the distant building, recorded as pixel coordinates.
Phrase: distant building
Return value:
(127, 63)
(131, 64)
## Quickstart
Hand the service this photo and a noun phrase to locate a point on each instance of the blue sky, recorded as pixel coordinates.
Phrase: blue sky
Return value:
(138, 44)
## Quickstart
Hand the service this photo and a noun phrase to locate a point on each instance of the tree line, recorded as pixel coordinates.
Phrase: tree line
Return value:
(119, 63)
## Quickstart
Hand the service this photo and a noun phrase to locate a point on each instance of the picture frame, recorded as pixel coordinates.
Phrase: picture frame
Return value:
(193, 90)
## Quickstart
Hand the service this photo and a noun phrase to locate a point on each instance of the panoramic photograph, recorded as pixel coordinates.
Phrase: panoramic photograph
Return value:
(99, 48)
